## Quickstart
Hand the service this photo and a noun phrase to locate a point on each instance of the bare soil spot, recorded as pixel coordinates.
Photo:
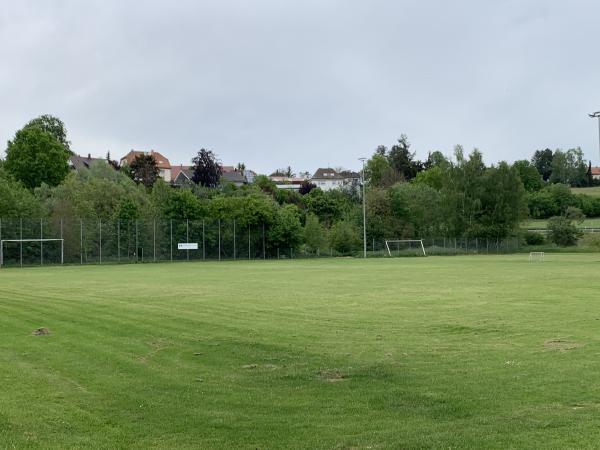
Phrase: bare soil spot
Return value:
(43, 331)
(332, 375)
(561, 345)
(250, 366)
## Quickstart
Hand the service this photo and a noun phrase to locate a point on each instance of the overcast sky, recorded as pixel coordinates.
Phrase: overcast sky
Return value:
(305, 83)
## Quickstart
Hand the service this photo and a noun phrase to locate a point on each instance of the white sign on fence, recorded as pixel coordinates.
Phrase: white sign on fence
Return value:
(187, 246)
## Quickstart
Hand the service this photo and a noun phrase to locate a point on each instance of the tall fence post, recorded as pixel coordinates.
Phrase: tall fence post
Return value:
(187, 237)
(41, 242)
(234, 253)
(219, 239)
(248, 239)
(21, 237)
(154, 238)
(171, 238)
(137, 244)
(203, 241)
(100, 226)
(62, 243)
(118, 240)
(80, 241)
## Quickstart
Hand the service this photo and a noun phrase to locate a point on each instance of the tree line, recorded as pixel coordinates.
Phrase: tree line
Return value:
(458, 197)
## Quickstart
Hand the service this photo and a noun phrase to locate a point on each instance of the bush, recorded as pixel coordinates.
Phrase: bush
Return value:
(344, 237)
(562, 231)
(534, 238)
(589, 205)
(591, 240)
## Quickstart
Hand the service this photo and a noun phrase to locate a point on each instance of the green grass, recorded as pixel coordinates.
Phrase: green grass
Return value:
(592, 191)
(543, 223)
(438, 352)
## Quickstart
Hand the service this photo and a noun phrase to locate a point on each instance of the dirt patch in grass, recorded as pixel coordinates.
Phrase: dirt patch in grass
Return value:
(250, 366)
(561, 345)
(43, 331)
(332, 375)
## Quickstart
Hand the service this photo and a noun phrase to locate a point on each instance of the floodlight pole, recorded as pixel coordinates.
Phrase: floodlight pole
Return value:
(596, 115)
(364, 208)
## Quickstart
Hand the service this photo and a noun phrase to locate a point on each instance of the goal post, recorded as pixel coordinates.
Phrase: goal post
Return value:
(41, 241)
(419, 243)
(536, 256)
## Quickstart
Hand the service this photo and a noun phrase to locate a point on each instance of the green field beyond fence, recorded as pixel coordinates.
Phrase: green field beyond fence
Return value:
(466, 352)
(591, 191)
(543, 224)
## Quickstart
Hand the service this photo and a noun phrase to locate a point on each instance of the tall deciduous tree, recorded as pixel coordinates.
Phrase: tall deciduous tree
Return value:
(379, 172)
(531, 178)
(569, 167)
(35, 157)
(419, 205)
(503, 202)
(542, 160)
(54, 126)
(207, 169)
(15, 199)
(286, 230)
(314, 233)
(144, 170)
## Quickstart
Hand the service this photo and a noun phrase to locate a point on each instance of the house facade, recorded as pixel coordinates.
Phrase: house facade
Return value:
(326, 179)
(163, 164)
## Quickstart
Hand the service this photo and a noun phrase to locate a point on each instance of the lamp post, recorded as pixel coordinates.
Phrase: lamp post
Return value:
(594, 116)
(364, 209)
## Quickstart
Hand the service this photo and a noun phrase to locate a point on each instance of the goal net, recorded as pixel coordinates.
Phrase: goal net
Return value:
(4, 243)
(405, 247)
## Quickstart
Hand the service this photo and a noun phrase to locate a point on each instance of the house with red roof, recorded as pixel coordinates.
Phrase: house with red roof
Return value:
(163, 164)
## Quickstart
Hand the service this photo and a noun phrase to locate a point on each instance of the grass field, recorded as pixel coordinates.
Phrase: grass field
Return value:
(438, 352)
(543, 223)
(592, 191)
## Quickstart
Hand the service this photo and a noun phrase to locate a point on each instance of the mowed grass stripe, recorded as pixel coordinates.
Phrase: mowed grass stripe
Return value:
(422, 346)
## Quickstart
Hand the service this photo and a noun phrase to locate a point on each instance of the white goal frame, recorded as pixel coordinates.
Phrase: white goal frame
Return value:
(41, 241)
(400, 241)
(536, 256)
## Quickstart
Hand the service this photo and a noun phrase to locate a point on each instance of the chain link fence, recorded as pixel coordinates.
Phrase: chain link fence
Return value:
(28, 242)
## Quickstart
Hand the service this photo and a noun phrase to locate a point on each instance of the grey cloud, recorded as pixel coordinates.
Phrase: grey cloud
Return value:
(304, 83)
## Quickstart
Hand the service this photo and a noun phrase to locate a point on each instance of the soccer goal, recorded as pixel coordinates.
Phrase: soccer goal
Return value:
(405, 247)
(536, 256)
(41, 242)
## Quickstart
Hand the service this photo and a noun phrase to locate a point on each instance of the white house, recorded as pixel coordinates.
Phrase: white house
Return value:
(328, 178)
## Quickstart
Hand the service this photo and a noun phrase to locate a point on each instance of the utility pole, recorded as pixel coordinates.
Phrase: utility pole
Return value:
(364, 208)
(596, 115)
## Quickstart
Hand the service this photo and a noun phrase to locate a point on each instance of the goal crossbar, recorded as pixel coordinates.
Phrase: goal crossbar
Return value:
(401, 241)
(41, 241)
